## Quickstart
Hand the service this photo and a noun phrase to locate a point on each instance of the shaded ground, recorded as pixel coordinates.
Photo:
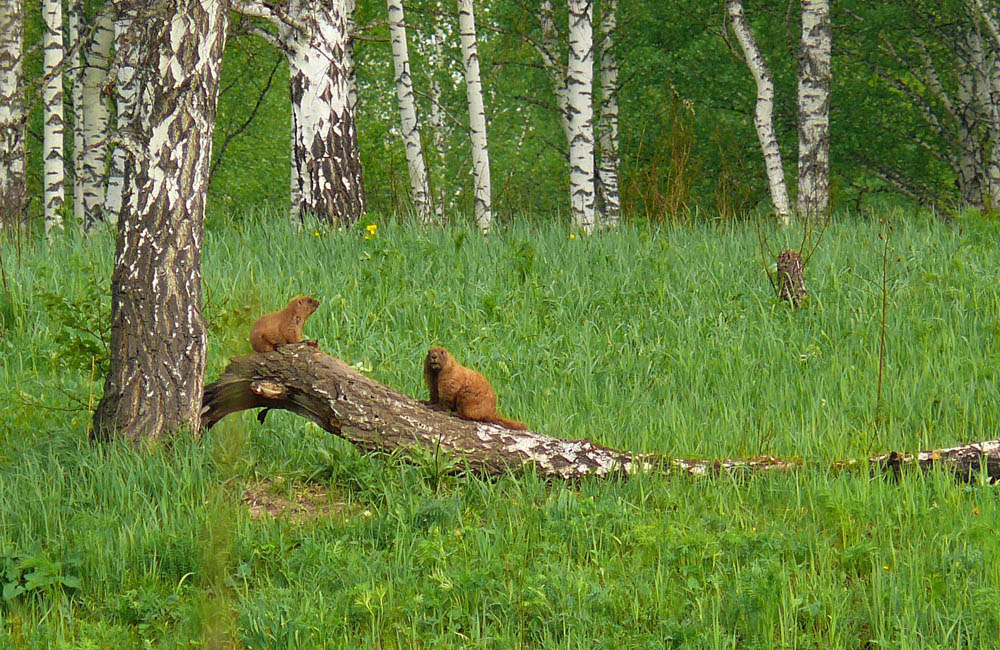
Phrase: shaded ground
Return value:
(297, 502)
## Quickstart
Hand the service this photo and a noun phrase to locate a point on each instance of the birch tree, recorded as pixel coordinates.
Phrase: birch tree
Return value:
(607, 124)
(580, 108)
(437, 116)
(93, 115)
(154, 384)
(123, 74)
(936, 79)
(991, 20)
(814, 110)
(13, 191)
(73, 21)
(764, 111)
(419, 188)
(52, 107)
(352, 73)
(326, 160)
(477, 116)
(970, 153)
(548, 50)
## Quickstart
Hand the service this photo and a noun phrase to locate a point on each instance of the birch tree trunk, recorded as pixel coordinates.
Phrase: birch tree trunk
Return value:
(97, 52)
(993, 166)
(607, 124)
(436, 118)
(154, 384)
(13, 190)
(125, 93)
(814, 110)
(989, 92)
(580, 107)
(73, 23)
(52, 106)
(352, 73)
(325, 154)
(550, 62)
(408, 113)
(970, 152)
(477, 116)
(763, 113)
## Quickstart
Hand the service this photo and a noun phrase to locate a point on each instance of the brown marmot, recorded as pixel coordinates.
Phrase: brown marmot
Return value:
(462, 390)
(284, 326)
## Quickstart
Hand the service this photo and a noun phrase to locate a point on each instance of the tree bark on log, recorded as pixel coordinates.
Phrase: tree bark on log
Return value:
(377, 418)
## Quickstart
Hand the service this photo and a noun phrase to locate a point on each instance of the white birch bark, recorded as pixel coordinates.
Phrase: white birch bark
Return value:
(477, 116)
(437, 117)
(419, 190)
(73, 21)
(607, 124)
(295, 188)
(154, 384)
(990, 98)
(124, 78)
(993, 165)
(326, 160)
(13, 192)
(763, 113)
(52, 107)
(94, 131)
(556, 72)
(814, 110)
(970, 178)
(352, 73)
(580, 107)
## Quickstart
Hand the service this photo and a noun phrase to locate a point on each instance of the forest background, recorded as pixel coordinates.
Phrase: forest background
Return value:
(900, 114)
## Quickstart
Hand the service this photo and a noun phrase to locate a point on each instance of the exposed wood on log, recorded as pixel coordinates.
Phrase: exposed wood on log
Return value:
(375, 417)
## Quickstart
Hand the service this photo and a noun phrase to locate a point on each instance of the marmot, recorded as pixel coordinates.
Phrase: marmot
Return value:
(284, 326)
(462, 390)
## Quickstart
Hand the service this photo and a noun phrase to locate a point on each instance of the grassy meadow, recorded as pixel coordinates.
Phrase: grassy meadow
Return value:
(665, 340)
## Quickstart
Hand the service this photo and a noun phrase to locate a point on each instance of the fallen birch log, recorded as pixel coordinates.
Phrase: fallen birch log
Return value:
(375, 417)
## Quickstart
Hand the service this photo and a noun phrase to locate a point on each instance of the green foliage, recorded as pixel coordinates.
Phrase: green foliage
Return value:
(82, 327)
(35, 574)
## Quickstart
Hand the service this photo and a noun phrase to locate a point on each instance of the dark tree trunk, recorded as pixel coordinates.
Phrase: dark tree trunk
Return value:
(791, 279)
(377, 418)
(154, 385)
(13, 191)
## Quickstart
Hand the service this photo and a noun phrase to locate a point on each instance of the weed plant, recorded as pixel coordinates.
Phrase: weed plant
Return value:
(653, 339)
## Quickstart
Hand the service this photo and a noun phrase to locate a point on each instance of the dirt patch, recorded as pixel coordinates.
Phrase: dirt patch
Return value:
(296, 502)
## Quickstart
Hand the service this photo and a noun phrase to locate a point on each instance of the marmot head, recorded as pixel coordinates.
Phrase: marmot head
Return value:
(304, 305)
(436, 358)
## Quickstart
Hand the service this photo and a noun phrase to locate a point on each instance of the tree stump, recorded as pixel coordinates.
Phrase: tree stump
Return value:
(791, 281)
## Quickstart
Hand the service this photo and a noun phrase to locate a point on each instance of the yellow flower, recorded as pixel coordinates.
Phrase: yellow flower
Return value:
(316, 234)
(371, 228)
(572, 236)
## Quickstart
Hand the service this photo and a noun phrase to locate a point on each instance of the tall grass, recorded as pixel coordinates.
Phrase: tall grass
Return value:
(658, 340)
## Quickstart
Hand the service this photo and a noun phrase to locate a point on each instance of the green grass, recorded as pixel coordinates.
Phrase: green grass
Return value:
(663, 341)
